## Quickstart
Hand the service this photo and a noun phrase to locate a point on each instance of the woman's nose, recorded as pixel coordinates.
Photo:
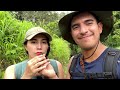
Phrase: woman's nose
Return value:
(39, 46)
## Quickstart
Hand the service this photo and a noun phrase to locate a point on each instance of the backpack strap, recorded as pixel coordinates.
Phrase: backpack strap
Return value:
(73, 63)
(54, 64)
(110, 65)
(20, 68)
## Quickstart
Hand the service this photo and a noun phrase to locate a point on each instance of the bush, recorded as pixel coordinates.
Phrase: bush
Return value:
(60, 50)
(11, 39)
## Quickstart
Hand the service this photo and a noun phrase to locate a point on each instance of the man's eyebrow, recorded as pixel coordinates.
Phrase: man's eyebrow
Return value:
(89, 20)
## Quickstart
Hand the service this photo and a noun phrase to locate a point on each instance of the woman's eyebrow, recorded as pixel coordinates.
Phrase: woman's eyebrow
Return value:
(33, 39)
(44, 38)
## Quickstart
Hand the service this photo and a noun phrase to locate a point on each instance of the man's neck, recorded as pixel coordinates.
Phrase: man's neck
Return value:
(99, 50)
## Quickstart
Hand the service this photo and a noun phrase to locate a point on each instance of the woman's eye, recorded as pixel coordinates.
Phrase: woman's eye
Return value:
(44, 42)
(33, 42)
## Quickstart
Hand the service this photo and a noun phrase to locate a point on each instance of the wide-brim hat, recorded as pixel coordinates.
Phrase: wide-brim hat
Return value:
(105, 17)
(34, 31)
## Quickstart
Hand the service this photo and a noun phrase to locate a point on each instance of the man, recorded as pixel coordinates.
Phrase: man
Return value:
(88, 29)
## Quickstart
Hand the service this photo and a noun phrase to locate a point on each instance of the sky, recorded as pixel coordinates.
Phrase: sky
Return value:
(64, 11)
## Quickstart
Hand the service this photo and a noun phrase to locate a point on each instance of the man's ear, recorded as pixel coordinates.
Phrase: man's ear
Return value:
(100, 26)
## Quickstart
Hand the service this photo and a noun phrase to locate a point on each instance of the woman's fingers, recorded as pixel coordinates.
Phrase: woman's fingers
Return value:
(38, 70)
(37, 64)
(36, 60)
(41, 63)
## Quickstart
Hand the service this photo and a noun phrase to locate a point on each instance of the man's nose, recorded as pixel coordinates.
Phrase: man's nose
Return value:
(83, 29)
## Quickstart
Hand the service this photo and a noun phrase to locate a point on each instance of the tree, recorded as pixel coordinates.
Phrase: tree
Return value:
(114, 38)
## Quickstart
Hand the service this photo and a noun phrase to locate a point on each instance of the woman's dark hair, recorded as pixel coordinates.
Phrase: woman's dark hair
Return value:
(48, 48)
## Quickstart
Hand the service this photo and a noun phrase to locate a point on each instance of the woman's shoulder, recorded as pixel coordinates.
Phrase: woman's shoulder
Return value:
(11, 67)
(9, 72)
(20, 65)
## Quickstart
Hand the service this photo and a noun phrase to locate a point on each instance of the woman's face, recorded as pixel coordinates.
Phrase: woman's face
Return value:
(38, 44)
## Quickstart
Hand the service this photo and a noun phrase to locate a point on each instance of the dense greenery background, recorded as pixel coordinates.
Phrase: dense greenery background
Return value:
(14, 24)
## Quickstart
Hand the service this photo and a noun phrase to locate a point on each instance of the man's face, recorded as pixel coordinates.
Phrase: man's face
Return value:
(85, 30)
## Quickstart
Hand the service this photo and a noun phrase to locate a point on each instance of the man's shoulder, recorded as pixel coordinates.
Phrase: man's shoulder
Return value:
(77, 55)
(113, 49)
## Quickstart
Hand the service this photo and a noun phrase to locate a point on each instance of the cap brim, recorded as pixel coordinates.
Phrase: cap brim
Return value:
(33, 35)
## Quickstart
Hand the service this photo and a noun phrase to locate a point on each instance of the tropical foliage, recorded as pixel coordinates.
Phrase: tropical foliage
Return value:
(14, 24)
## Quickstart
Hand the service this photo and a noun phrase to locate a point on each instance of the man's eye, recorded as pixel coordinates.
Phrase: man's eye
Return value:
(75, 27)
(89, 23)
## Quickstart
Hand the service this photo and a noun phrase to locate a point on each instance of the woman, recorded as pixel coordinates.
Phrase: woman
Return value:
(38, 65)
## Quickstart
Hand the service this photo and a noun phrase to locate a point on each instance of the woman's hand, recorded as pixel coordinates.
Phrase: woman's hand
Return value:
(49, 72)
(35, 66)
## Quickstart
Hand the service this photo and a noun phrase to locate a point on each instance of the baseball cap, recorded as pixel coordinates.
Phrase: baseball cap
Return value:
(34, 31)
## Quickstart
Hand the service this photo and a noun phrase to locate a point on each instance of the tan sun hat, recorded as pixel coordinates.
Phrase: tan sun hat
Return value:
(34, 31)
(105, 17)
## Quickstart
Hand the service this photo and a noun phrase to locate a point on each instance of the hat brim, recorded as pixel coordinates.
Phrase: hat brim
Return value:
(33, 35)
(105, 17)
